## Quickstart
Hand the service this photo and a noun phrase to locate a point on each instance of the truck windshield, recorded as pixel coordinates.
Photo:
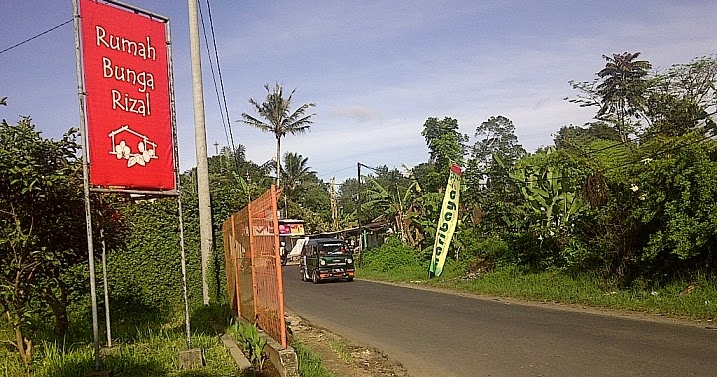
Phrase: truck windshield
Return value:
(333, 249)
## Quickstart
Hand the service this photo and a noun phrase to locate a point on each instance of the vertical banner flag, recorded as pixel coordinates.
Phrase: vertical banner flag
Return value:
(446, 222)
(129, 112)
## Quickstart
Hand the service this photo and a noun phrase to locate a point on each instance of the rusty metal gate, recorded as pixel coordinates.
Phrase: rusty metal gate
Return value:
(253, 267)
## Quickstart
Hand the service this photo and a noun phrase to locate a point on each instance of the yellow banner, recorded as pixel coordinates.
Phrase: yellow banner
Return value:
(446, 222)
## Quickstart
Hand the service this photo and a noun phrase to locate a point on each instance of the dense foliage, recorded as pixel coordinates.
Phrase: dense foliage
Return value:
(42, 229)
(629, 196)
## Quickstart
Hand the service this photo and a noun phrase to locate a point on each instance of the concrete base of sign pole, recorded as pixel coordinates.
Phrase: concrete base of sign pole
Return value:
(191, 358)
(109, 351)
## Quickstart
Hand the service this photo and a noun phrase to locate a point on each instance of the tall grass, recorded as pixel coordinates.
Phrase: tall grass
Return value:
(310, 364)
(342, 349)
(150, 348)
(151, 353)
(692, 298)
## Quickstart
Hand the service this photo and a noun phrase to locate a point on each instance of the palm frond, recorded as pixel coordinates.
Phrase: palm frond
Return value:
(254, 122)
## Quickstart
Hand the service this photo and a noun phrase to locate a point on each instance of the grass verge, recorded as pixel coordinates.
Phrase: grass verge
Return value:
(150, 349)
(310, 364)
(693, 299)
(342, 349)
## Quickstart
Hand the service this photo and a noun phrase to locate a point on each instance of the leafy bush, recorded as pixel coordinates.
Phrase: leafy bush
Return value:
(578, 256)
(252, 343)
(533, 251)
(493, 248)
(676, 204)
(146, 275)
(392, 255)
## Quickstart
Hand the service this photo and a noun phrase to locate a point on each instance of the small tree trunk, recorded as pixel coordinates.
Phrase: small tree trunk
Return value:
(409, 234)
(278, 161)
(24, 346)
(59, 310)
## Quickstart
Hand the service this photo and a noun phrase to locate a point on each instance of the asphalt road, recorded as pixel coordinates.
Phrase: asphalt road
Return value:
(438, 334)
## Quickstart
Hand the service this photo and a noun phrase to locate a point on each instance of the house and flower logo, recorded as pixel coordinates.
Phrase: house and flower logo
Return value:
(122, 140)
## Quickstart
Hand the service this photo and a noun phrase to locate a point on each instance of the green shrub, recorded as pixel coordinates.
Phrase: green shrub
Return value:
(392, 255)
(676, 204)
(252, 343)
(579, 257)
(533, 251)
(493, 248)
(452, 268)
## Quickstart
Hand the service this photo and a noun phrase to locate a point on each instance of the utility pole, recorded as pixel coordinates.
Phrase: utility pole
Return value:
(334, 206)
(216, 147)
(200, 140)
(358, 210)
(358, 215)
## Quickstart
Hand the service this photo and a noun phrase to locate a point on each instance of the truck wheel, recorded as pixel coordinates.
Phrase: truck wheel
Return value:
(315, 277)
(349, 279)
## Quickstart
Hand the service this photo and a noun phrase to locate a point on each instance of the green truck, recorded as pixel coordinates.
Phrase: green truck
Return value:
(325, 259)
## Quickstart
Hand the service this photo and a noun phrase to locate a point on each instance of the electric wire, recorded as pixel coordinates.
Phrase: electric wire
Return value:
(637, 140)
(36, 36)
(658, 153)
(335, 171)
(211, 66)
(223, 107)
(219, 71)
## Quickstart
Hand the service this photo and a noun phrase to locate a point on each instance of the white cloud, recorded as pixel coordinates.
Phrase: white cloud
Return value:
(361, 114)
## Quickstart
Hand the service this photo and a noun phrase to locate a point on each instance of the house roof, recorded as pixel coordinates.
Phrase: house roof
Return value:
(372, 227)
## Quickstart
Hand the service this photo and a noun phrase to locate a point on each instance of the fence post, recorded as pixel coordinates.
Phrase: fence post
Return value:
(252, 252)
(279, 275)
(235, 257)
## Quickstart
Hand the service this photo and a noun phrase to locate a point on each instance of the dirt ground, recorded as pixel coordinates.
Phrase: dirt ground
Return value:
(339, 356)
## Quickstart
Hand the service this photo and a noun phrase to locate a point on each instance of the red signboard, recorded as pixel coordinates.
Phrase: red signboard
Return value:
(129, 124)
(293, 229)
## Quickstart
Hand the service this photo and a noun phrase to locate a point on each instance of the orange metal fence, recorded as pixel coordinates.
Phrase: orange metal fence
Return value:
(253, 267)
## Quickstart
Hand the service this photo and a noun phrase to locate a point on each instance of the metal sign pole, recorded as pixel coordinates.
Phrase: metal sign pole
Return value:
(108, 321)
(86, 186)
(105, 286)
(184, 274)
(173, 112)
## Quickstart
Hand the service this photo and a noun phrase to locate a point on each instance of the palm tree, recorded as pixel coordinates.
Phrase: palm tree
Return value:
(278, 118)
(295, 172)
(622, 90)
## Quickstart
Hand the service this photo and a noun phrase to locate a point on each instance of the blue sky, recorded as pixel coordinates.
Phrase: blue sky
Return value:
(375, 69)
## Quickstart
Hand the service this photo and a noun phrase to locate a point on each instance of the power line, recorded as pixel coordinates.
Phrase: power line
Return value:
(219, 70)
(633, 162)
(37, 36)
(617, 143)
(214, 78)
(324, 175)
(659, 153)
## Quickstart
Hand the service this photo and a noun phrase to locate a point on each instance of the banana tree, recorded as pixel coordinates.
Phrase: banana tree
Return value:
(548, 194)
(397, 207)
